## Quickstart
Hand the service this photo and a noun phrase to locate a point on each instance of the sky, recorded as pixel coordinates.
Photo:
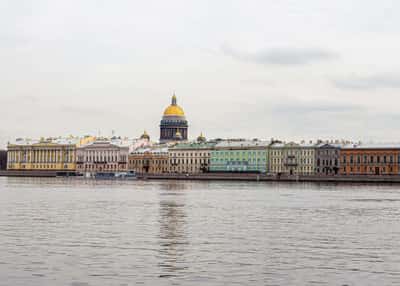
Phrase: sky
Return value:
(289, 70)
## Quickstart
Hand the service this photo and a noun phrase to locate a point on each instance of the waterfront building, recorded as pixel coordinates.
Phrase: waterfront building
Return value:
(51, 154)
(173, 125)
(191, 157)
(103, 155)
(149, 160)
(292, 158)
(3, 159)
(240, 156)
(327, 159)
(370, 159)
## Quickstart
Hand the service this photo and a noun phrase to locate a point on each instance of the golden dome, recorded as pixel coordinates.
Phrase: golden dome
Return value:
(178, 135)
(201, 138)
(174, 109)
(145, 135)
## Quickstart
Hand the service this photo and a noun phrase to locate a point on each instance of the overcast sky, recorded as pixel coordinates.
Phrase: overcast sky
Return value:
(283, 69)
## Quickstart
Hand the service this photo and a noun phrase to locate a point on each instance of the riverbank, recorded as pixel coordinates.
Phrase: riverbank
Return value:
(272, 178)
(226, 177)
(34, 174)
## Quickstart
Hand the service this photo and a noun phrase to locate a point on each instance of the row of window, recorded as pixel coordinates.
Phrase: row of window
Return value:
(327, 162)
(189, 161)
(186, 169)
(369, 170)
(238, 159)
(369, 159)
(112, 167)
(39, 167)
(328, 152)
(236, 153)
(141, 162)
(189, 154)
(293, 152)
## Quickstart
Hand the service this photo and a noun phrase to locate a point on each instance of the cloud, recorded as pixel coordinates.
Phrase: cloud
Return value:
(378, 81)
(311, 108)
(81, 111)
(283, 56)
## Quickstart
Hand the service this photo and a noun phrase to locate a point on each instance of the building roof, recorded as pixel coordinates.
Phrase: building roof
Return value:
(242, 144)
(302, 144)
(328, 145)
(115, 141)
(372, 146)
(163, 150)
(193, 145)
(46, 141)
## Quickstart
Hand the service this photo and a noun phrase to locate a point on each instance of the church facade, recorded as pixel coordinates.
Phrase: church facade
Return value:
(173, 125)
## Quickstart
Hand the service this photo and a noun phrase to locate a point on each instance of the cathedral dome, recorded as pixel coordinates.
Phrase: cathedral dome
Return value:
(173, 125)
(178, 135)
(201, 138)
(145, 136)
(174, 109)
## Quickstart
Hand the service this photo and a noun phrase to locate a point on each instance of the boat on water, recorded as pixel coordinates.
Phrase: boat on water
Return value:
(118, 175)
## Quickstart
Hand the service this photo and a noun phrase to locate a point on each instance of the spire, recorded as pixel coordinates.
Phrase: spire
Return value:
(174, 99)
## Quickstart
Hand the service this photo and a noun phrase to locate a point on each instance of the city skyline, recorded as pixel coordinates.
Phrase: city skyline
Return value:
(284, 70)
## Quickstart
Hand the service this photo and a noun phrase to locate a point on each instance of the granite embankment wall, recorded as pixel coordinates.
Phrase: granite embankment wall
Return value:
(261, 177)
(229, 177)
(21, 173)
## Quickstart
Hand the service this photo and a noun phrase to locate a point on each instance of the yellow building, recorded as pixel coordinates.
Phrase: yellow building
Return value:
(51, 154)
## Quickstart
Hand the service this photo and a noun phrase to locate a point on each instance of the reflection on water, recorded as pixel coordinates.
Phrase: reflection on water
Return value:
(173, 241)
(88, 232)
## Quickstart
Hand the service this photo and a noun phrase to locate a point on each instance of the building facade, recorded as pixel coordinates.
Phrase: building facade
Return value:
(190, 158)
(240, 156)
(292, 158)
(327, 159)
(51, 154)
(102, 156)
(373, 160)
(173, 125)
(149, 161)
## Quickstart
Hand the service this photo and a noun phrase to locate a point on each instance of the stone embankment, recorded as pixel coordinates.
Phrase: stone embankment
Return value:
(21, 173)
(228, 177)
(283, 178)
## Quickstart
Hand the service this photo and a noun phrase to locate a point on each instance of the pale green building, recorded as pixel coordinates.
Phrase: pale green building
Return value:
(240, 156)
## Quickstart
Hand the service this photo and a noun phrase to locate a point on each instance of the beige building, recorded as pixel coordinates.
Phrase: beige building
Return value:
(191, 158)
(51, 154)
(149, 160)
(292, 158)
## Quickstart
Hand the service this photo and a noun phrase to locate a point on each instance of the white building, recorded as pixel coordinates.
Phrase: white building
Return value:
(103, 155)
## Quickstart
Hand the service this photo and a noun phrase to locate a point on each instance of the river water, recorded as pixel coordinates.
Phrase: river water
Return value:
(76, 232)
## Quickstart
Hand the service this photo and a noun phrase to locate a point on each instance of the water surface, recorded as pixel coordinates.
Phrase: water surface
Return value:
(76, 232)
